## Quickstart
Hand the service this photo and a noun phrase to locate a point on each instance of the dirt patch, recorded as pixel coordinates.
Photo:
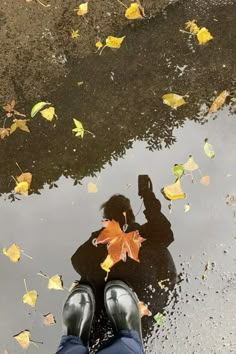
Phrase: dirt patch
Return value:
(36, 45)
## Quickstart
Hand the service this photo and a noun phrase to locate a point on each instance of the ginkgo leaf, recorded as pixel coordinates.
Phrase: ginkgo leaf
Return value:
(173, 191)
(48, 113)
(25, 177)
(4, 132)
(143, 309)
(133, 11)
(79, 129)
(114, 42)
(208, 149)
(83, 9)
(205, 180)
(30, 297)
(119, 244)
(92, 187)
(219, 101)
(22, 188)
(74, 34)
(190, 165)
(192, 26)
(23, 338)
(178, 170)
(55, 282)
(186, 207)
(49, 319)
(13, 252)
(37, 107)
(159, 318)
(20, 124)
(173, 100)
(98, 44)
(204, 35)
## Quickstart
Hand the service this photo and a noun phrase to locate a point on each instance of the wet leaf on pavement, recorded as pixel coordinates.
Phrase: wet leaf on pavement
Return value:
(55, 282)
(92, 187)
(49, 319)
(219, 101)
(133, 11)
(13, 252)
(186, 207)
(205, 180)
(74, 34)
(4, 132)
(173, 191)
(173, 100)
(190, 164)
(48, 113)
(19, 124)
(143, 309)
(30, 297)
(178, 170)
(23, 338)
(208, 149)
(192, 26)
(82, 9)
(79, 129)
(37, 107)
(159, 318)
(204, 36)
(114, 42)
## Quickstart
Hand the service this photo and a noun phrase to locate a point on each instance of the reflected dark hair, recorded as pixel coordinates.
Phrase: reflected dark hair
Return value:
(114, 207)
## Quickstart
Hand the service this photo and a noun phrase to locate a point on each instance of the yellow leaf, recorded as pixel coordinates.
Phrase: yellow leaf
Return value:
(74, 34)
(205, 180)
(20, 124)
(25, 177)
(173, 191)
(4, 132)
(55, 282)
(204, 35)
(92, 187)
(114, 42)
(190, 165)
(23, 338)
(133, 11)
(219, 101)
(173, 100)
(48, 113)
(107, 263)
(186, 207)
(83, 9)
(22, 188)
(13, 252)
(49, 319)
(208, 149)
(30, 298)
(79, 129)
(99, 44)
(192, 26)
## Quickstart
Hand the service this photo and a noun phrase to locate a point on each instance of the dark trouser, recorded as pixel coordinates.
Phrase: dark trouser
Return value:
(125, 342)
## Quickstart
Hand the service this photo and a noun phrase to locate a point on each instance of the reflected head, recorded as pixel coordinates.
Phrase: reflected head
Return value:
(114, 208)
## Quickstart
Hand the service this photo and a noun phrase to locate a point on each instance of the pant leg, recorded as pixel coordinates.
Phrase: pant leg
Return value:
(71, 345)
(125, 342)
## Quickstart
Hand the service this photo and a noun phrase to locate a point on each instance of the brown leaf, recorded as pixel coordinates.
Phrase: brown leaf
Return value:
(219, 101)
(143, 309)
(9, 108)
(4, 132)
(25, 177)
(119, 243)
(20, 124)
(205, 180)
(49, 319)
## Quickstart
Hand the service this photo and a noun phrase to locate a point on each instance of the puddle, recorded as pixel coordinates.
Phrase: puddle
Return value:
(135, 134)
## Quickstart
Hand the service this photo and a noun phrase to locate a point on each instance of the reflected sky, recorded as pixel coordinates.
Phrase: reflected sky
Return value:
(51, 226)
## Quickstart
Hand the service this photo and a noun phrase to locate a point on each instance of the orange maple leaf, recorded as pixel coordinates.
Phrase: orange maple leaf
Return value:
(119, 243)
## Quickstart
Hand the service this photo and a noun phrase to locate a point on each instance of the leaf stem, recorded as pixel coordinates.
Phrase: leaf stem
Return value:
(42, 275)
(26, 255)
(25, 286)
(102, 49)
(19, 167)
(90, 133)
(122, 3)
(48, 5)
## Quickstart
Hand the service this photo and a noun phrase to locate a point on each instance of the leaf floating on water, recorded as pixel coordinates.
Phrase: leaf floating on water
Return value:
(48, 113)
(83, 9)
(133, 11)
(173, 191)
(190, 165)
(192, 26)
(13, 252)
(49, 319)
(30, 297)
(219, 101)
(208, 149)
(79, 129)
(37, 107)
(204, 36)
(186, 207)
(159, 318)
(20, 124)
(178, 170)
(173, 100)
(143, 309)
(92, 187)
(23, 338)
(205, 180)
(55, 282)
(114, 42)
(4, 132)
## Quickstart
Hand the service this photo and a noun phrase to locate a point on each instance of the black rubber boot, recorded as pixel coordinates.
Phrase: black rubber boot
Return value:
(78, 312)
(121, 304)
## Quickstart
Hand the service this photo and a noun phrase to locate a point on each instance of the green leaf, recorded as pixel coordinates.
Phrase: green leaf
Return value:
(79, 129)
(159, 318)
(37, 107)
(208, 149)
(178, 170)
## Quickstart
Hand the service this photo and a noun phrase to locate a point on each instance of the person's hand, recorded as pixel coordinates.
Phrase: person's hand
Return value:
(144, 184)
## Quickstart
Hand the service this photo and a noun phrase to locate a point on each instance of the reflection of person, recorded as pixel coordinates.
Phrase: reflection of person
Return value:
(121, 305)
(152, 278)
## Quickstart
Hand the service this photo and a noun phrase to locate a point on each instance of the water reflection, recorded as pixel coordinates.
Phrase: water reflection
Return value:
(153, 278)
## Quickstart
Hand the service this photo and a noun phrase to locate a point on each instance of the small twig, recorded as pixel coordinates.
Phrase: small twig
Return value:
(42, 275)
(19, 167)
(34, 342)
(192, 34)
(102, 49)
(25, 286)
(122, 4)
(90, 133)
(26, 255)
(14, 179)
(141, 7)
(48, 5)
